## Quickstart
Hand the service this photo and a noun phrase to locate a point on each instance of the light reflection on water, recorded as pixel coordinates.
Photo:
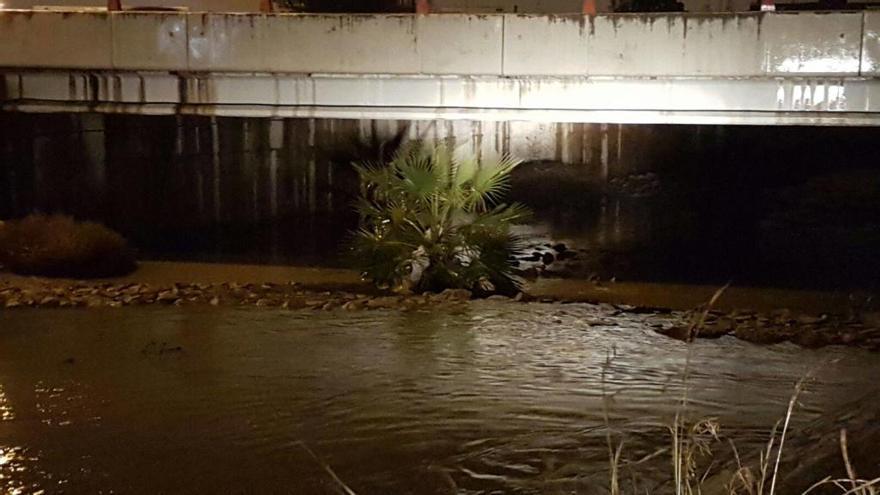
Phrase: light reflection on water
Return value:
(6, 413)
(495, 396)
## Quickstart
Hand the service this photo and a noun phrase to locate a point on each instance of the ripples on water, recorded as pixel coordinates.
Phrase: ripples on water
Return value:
(494, 396)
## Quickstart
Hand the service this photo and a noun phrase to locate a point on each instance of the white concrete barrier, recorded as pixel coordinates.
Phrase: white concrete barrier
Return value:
(871, 44)
(661, 45)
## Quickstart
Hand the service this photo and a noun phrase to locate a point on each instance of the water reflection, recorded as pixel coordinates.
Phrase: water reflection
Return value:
(13, 472)
(6, 413)
(492, 397)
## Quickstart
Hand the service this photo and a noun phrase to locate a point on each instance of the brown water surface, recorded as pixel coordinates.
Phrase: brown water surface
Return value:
(490, 398)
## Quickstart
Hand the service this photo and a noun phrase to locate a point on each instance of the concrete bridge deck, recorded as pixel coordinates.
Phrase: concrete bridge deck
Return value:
(755, 68)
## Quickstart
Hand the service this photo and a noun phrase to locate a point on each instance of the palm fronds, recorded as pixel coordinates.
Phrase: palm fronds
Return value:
(431, 221)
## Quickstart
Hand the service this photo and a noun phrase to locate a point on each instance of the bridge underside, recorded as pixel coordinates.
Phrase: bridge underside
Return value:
(833, 101)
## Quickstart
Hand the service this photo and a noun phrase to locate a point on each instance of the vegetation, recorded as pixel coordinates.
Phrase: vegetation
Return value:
(59, 246)
(430, 221)
(696, 470)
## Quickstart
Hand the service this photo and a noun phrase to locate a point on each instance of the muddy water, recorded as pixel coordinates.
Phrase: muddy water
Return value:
(492, 397)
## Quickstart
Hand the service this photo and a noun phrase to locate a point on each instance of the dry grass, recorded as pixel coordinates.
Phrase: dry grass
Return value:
(59, 246)
(692, 444)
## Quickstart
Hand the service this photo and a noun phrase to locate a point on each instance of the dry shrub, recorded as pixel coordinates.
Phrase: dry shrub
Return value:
(59, 246)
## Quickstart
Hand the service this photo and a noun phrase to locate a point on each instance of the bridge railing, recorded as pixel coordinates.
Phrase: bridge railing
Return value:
(635, 45)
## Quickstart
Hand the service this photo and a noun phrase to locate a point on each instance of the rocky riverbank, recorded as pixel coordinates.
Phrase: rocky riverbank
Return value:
(856, 329)
(295, 288)
(46, 294)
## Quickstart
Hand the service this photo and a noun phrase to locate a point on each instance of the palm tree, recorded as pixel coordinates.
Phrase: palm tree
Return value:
(430, 221)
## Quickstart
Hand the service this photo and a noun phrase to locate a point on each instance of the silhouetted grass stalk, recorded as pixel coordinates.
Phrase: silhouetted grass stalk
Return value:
(691, 442)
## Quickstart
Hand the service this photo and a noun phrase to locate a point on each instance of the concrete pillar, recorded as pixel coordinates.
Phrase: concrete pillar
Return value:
(94, 150)
(311, 181)
(215, 161)
(603, 163)
(276, 143)
(423, 7)
(114, 5)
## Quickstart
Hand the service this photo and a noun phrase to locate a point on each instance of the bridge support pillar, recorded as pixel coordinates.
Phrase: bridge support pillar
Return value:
(114, 5)
(423, 7)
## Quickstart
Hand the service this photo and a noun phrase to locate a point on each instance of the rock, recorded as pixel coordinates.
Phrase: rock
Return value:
(353, 305)
(94, 302)
(810, 320)
(49, 301)
(215, 301)
(812, 339)
(385, 302)
(167, 297)
(719, 328)
(760, 334)
(560, 248)
(548, 258)
(456, 295)
(497, 297)
(677, 332)
(13, 303)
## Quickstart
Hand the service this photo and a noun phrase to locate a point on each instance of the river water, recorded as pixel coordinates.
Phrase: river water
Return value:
(490, 398)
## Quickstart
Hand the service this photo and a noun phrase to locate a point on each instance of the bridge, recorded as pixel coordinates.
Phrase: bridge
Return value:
(803, 68)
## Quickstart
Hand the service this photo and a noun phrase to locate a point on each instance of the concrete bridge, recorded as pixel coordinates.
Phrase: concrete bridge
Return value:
(754, 68)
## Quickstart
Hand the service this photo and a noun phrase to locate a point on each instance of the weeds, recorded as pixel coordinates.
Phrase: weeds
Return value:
(692, 445)
(59, 246)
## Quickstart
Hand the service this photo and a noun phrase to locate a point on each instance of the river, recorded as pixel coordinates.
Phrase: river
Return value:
(491, 398)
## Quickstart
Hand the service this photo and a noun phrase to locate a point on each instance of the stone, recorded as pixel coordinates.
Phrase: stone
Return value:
(167, 297)
(385, 302)
(677, 332)
(560, 248)
(810, 320)
(456, 295)
(94, 302)
(353, 306)
(717, 329)
(760, 334)
(548, 258)
(49, 301)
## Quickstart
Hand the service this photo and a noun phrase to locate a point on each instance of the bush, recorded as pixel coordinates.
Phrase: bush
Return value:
(431, 222)
(59, 246)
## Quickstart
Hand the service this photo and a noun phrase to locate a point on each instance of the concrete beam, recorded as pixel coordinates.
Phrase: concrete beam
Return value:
(542, 98)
